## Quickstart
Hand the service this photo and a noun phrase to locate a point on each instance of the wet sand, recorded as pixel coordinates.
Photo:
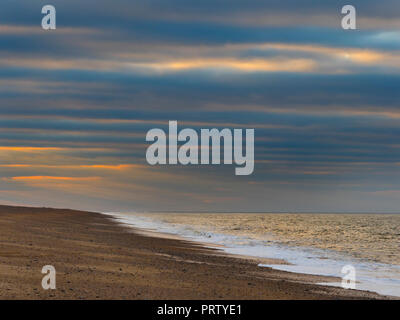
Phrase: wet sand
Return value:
(97, 258)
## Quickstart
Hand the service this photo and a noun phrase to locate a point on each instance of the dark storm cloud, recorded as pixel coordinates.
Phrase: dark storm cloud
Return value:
(99, 12)
(130, 94)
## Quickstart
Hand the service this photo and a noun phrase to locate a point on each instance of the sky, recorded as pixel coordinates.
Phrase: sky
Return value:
(76, 103)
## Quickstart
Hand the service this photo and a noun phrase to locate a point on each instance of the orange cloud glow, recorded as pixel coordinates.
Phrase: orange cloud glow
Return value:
(39, 178)
(94, 166)
(29, 149)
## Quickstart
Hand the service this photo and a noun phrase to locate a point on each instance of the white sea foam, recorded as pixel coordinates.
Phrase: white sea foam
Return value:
(372, 276)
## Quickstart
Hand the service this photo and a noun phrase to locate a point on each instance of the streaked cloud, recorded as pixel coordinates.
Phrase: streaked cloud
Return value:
(75, 104)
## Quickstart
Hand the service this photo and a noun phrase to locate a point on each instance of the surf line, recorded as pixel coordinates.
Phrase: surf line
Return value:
(188, 153)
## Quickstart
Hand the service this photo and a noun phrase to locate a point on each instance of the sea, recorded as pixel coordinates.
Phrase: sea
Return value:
(310, 243)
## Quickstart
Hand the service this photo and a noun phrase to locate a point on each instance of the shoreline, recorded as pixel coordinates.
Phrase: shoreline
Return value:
(97, 258)
(371, 276)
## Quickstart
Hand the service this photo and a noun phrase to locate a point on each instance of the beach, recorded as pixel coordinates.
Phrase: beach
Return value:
(97, 257)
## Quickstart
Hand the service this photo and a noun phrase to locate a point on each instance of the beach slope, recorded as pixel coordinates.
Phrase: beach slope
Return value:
(97, 258)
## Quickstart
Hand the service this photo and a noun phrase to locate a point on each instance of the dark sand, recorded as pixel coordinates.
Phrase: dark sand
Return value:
(96, 258)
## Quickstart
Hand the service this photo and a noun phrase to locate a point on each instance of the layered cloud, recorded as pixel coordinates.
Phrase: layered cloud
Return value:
(76, 103)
